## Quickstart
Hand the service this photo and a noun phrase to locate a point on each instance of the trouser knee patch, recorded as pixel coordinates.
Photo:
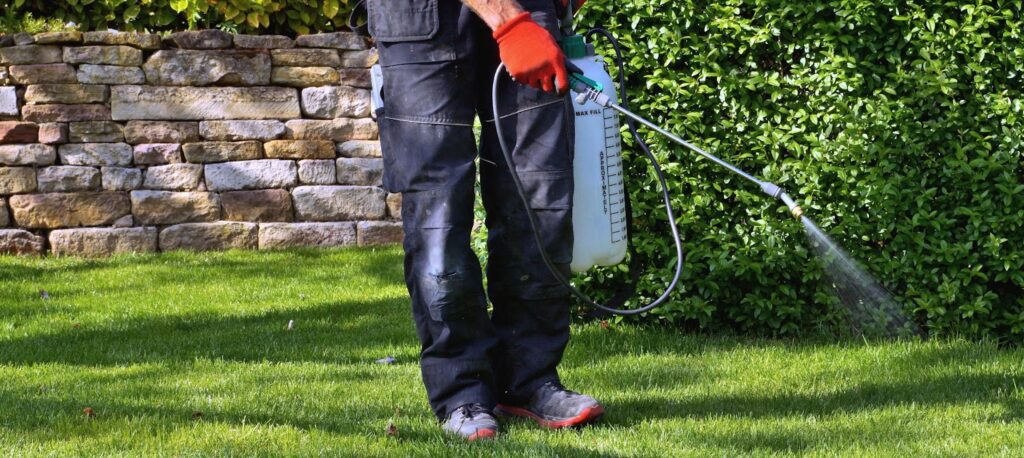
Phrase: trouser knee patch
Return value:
(451, 296)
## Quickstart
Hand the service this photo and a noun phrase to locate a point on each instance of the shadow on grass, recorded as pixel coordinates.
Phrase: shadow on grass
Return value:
(327, 332)
(383, 265)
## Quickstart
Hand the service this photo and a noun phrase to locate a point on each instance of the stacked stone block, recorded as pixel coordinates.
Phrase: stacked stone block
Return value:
(203, 140)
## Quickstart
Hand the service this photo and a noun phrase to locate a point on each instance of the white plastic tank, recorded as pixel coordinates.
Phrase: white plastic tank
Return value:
(599, 205)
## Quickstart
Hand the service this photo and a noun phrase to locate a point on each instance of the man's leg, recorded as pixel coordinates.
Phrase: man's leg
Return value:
(427, 139)
(531, 309)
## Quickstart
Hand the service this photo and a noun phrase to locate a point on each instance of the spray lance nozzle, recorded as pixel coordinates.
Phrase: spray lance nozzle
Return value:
(776, 192)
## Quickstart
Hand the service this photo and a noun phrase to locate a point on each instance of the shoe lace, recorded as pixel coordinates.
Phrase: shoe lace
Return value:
(556, 386)
(469, 411)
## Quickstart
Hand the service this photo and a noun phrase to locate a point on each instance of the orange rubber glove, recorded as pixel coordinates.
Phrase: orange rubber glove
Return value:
(531, 54)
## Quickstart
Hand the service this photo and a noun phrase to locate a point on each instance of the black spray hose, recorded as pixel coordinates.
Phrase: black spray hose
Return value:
(533, 218)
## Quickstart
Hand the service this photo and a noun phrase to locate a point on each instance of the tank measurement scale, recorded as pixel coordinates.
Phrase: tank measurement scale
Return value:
(612, 165)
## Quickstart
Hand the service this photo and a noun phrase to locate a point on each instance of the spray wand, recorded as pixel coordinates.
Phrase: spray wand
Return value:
(587, 89)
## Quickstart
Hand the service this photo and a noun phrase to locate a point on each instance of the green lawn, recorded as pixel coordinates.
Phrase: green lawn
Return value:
(189, 354)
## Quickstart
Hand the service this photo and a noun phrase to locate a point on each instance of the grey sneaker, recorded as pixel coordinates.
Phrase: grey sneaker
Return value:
(553, 406)
(472, 422)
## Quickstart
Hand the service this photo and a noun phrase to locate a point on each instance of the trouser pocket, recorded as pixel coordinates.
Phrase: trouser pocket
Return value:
(402, 20)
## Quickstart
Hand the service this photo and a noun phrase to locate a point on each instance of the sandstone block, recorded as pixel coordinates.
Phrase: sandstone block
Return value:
(317, 171)
(110, 74)
(338, 203)
(124, 221)
(365, 129)
(299, 149)
(263, 42)
(30, 55)
(359, 148)
(203, 103)
(365, 58)
(95, 132)
(241, 130)
(304, 76)
(27, 132)
(287, 235)
(51, 210)
(43, 74)
(95, 154)
(66, 93)
(174, 177)
(146, 41)
(136, 132)
(305, 58)
(360, 171)
(17, 180)
(21, 243)
(65, 113)
(52, 133)
(355, 77)
(121, 178)
(167, 207)
(338, 40)
(335, 102)
(209, 236)
(30, 154)
(50, 38)
(379, 233)
(103, 55)
(157, 153)
(259, 205)
(238, 67)
(338, 130)
(8, 102)
(266, 173)
(394, 203)
(207, 152)
(202, 39)
(22, 39)
(95, 241)
(68, 178)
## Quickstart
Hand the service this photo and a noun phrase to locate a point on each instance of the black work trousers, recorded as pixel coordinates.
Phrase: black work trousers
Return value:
(438, 60)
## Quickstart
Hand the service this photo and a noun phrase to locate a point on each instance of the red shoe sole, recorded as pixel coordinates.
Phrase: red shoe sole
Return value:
(588, 415)
(482, 434)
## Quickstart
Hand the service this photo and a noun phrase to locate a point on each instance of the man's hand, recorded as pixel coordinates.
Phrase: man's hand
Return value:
(531, 55)
(529, 52)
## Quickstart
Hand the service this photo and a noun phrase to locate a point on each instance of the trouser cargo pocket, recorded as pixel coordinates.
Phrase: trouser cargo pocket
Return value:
(402, 20)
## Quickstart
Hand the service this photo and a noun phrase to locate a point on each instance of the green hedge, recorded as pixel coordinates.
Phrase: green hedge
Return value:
(898, 125)
(288, 17)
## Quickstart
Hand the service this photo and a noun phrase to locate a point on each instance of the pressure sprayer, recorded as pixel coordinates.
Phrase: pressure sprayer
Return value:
(601, 207)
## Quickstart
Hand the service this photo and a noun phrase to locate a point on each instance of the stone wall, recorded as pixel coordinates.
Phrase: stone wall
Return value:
(115, 142)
